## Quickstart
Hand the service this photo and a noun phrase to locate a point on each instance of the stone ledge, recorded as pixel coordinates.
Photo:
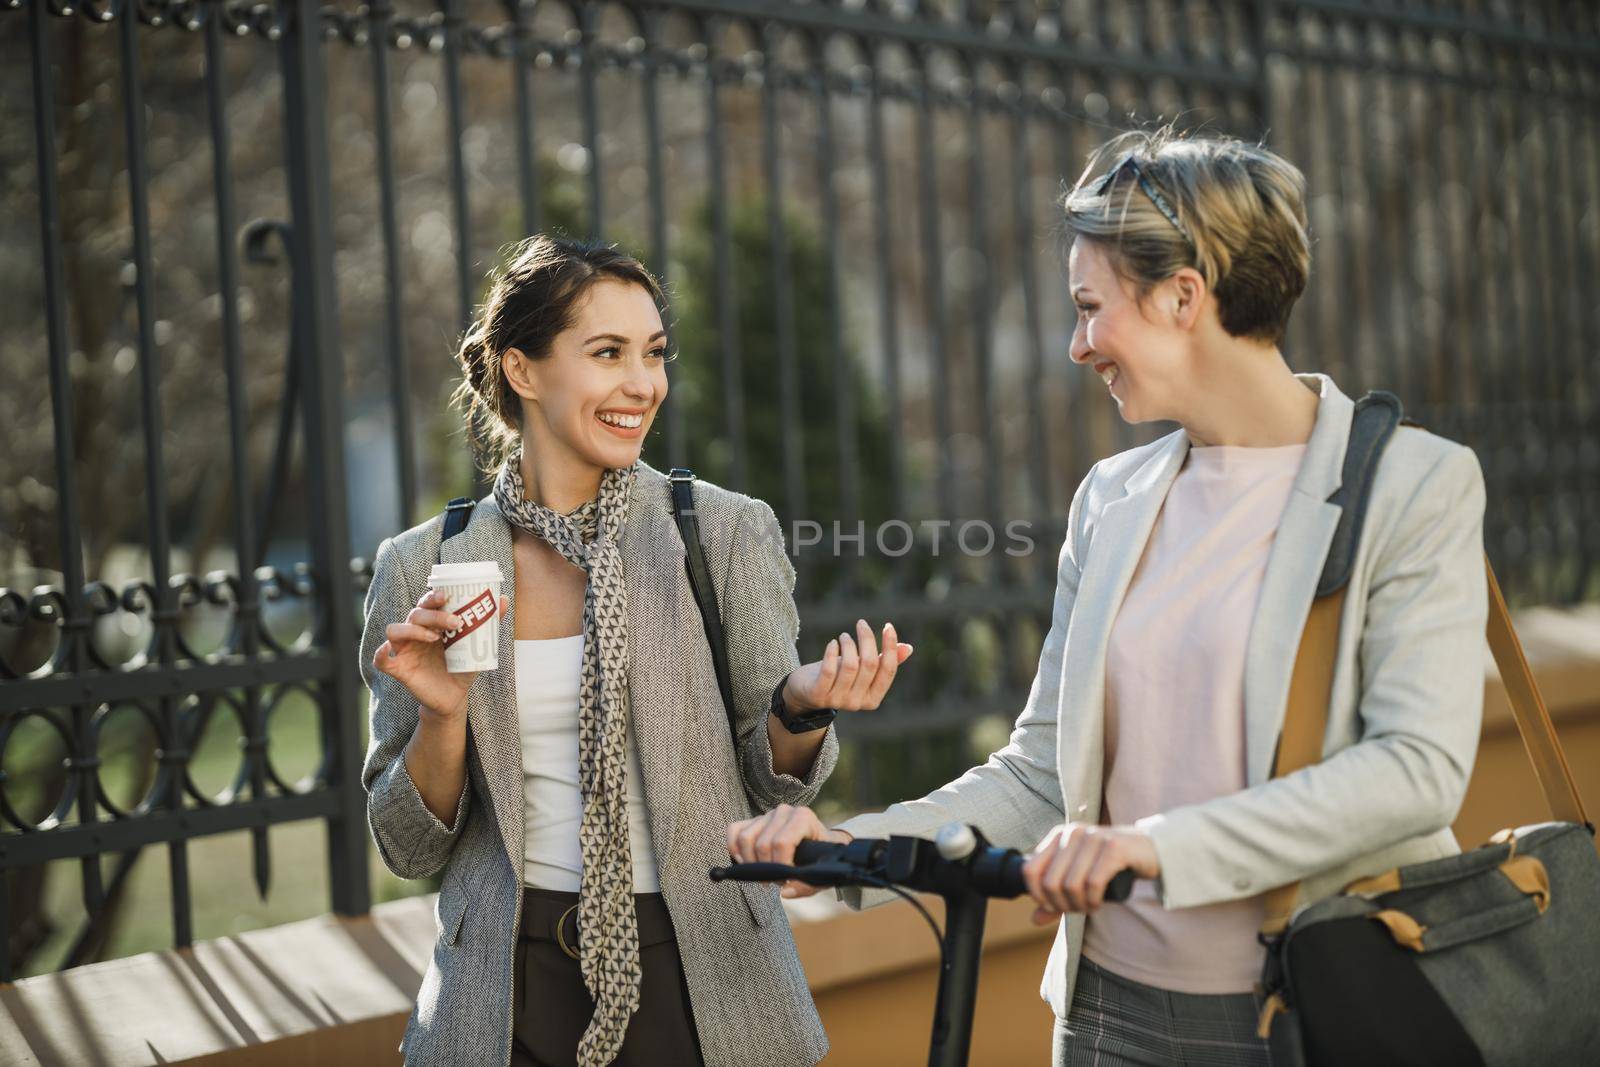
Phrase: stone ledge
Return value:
(250, 991)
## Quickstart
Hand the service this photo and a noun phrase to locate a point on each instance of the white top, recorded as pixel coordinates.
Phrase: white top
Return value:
(1174, 705)
(548, 677)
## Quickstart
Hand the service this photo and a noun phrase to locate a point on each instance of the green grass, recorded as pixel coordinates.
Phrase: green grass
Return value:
(223, 894)
(222, 891)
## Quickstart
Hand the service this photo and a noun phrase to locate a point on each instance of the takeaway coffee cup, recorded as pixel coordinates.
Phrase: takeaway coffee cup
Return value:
(471, 591)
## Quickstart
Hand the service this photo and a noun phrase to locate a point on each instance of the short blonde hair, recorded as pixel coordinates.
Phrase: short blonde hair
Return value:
(1234, 211)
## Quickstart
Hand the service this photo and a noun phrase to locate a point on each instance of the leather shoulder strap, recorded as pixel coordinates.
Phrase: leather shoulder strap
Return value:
(1311, 683)
(1305, 720)
(456, 514)
(1533, 718)
(705, 593)
(1376, 416)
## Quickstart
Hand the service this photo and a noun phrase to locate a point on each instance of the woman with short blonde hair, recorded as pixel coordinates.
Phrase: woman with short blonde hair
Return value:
(1184, 583)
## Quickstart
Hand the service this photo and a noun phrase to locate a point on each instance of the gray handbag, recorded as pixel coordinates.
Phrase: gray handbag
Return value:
(1489, 957)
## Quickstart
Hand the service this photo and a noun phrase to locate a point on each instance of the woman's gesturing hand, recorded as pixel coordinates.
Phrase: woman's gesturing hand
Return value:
(771, 838)
(1070, 868)
(413, 655)
(852, 675)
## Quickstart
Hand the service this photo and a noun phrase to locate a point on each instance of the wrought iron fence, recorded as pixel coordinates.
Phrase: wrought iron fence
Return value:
(852, 203)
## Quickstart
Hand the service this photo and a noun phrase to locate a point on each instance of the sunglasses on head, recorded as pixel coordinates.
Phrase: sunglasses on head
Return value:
(1129, 163)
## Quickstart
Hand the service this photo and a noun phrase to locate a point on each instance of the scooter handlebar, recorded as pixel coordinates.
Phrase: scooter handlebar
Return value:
(807, 852)
(1000, 869)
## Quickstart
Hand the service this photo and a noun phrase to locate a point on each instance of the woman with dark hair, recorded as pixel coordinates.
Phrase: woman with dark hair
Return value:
(577, 795)
(1183, 586)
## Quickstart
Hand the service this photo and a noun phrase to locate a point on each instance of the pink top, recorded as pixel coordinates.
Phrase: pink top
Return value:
(1174, 705)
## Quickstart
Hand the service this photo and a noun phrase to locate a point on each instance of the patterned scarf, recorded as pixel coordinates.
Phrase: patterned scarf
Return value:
(608, 933)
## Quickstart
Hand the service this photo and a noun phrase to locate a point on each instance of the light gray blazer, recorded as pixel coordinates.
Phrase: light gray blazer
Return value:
(1407, 689)
(752, 1006)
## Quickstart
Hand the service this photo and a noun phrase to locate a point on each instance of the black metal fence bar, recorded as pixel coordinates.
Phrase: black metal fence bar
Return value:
(245, 594)
(847, 458)
(650, 89)
(980, 303)
(1397, 229)
(1450, 335)
(886, 267)
(1558, 256)
(933, 288)
(1565, 309)
(523, 94)
(317, 348)
(1410, 16)
(1456, 79)
(1522, 327)
(1495, 321)
(394, 338)
(71, 604)
(925, 29)
(159, 594)
(727, 305)
(1467, 336)
(62, 689)
(1587, 511)
(791, 434)
(1024, 239)
(587, 70)
(164, 828)
(455, 27)
(1069, 151)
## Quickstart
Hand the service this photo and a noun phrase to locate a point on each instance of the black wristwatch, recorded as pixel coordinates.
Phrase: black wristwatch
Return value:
(799, 724)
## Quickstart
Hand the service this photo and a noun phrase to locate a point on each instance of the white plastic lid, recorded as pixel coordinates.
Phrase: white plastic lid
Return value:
(458, 573)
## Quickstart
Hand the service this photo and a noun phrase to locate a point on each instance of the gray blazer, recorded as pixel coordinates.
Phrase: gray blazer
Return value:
(752, 1006)
(1407, 689)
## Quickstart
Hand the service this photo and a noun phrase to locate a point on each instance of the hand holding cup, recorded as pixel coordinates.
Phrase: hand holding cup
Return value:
(413, 654)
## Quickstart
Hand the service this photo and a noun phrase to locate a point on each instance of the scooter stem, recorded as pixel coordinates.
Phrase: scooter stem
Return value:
(964, 913)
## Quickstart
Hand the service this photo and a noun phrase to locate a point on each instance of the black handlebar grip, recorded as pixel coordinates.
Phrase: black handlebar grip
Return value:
(1012, 884)
(807, 852)
(751, 872)
(1120, 886)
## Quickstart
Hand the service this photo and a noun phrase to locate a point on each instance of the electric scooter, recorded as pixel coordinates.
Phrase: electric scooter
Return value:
(960, 866)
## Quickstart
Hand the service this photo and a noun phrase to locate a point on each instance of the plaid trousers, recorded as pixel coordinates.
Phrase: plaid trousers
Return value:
(1116, 1022)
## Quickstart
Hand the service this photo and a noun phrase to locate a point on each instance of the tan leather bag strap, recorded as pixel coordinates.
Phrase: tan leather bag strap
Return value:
(1533, 718)
(1305, 720)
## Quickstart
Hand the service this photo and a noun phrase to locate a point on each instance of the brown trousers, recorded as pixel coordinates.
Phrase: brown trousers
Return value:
(552, 1006)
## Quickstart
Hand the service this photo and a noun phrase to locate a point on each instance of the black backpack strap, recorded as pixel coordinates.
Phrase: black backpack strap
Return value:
(456, 514)
(705, 594)
(1376, 416)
